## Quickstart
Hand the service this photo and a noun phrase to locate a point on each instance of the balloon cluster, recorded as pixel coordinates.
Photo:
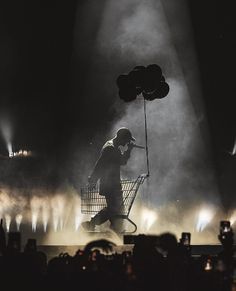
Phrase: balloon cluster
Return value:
(147, 81)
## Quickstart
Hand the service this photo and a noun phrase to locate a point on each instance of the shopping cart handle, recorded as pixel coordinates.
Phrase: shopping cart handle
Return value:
(144, 176)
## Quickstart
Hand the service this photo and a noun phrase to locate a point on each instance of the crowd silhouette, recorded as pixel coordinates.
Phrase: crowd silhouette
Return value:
(155, 263)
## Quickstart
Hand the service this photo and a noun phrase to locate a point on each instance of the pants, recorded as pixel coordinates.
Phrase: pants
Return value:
(114, 207)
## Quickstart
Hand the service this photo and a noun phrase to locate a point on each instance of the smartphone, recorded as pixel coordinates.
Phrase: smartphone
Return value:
(208, 265)
(186, 238)
(224, 226)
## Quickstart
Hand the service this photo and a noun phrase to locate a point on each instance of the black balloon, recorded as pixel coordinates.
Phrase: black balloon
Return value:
(149, 95)
(152, 78)
(146, 80)
(128, 95)
(162, 79)
(137, 76)
(154, 69)
(122, 81)
(139, 68)
(164, 89)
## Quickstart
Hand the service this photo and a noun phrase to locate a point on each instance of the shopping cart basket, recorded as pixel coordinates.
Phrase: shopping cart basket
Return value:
(92, 202)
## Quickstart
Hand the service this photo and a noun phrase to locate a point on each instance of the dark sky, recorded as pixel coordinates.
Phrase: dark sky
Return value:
(42, 84)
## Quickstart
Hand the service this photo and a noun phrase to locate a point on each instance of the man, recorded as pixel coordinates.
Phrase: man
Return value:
(107, 171)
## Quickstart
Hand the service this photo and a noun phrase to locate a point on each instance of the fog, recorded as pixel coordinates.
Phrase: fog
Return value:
(182, 179)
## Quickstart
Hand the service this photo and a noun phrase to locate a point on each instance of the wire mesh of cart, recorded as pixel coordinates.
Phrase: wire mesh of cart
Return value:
(92, 202)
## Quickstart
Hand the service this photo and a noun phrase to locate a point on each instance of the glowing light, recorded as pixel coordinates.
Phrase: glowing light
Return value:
(45, 214)
(9, 148)
(6, 130)
(234, 148)
(45, 224)
(18, 221)
(55, 222)
(8, 222)
(61, 223)
(208, 266)
(148, 217)
(77, 212)
(233, 152)
(78, 219)
(232, 218)
(21, 153)
(204, 217)
(34, 221)
(35, 204)
(58, 204)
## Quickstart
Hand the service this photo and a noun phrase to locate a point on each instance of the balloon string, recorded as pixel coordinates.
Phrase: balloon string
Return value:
(146, 139)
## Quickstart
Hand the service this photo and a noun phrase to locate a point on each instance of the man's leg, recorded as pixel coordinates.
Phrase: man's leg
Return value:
(115, 207)
(100, 217)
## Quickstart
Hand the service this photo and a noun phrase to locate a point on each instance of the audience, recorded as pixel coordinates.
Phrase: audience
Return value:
(155, 263)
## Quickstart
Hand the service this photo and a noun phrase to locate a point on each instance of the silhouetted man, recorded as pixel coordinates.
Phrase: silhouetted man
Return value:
(107, 171)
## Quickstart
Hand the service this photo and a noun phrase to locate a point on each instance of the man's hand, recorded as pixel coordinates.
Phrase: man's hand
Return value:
(130, 146)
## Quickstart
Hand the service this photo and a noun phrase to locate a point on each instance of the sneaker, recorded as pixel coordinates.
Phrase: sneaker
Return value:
(88, 226)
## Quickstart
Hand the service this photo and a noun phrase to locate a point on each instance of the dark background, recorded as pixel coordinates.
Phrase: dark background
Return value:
(42, 87)
(214, 32)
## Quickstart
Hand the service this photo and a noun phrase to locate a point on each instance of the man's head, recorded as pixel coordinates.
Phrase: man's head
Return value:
(124, 136)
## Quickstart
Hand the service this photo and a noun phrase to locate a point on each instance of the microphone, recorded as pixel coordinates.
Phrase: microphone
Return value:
(138, 146)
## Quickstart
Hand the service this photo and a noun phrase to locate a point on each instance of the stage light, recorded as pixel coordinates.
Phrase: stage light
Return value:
(35, 205)
(78, 216)
(55, 222)
(208, 265)
(34, 221)
(21, 153)
(204, 218)
(58, 205)
(232, 218)
(10, 152)
(6, 129)
(45, 224)
(78, 219)
(148, 217)
(61, 223)
(233, 152)
(8, 222)
(18, 221)
(45, 214)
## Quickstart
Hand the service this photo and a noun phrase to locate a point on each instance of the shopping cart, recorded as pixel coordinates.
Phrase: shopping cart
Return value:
(92, 202)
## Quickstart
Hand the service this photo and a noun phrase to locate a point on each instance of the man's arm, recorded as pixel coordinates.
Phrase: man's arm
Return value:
(100, 165)
(96, 173)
